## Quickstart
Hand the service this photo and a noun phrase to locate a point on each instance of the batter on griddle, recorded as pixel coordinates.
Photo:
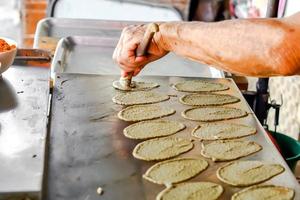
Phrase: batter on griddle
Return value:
(248, 172)
(225, 150)
(208, 99)
(192, 191)
(199, 86)
(136, 86)
(175, 170)
(219, 131)
(152, 129)
(162, 148)
(144, 112)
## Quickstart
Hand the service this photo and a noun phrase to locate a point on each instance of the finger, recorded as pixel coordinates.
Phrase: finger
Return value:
(127, 68)
(124, 73)
(132, 60)
(140, 59)
(129, 55)
(131, 48)
(136, 71)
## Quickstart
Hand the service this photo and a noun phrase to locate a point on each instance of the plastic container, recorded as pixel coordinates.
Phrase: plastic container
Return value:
(289, 148)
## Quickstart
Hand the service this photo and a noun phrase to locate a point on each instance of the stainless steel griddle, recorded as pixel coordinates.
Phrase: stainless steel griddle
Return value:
(88, 149)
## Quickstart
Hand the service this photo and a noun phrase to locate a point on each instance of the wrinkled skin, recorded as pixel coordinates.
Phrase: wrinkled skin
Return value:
(124, 53)
(252, 47)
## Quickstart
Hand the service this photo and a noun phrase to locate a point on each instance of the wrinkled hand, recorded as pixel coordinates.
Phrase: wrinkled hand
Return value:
(125, 52)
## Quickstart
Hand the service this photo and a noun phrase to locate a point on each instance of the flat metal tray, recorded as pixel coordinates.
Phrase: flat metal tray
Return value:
(24, 100)
(88, 149)
(93, 55)
(51, 28)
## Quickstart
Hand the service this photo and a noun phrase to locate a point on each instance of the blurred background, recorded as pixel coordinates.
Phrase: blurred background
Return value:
(10, 19)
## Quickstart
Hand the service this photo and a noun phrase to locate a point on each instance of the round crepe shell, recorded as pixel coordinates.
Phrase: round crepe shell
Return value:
(214, 187)
(290, 192)
(140, 97)
(229, 99)
(241, 113)
(219, 142)
(179, 127)
(202, 165)
(221, 170)
(251, 131)
(138, 86)
(183, 148)
(167, 112)
(219, 86)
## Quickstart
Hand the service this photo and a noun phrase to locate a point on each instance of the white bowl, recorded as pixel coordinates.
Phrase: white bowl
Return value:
(7, 57)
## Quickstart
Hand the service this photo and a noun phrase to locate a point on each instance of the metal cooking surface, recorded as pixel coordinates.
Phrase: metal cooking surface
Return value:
(88, 149)
(24, 93)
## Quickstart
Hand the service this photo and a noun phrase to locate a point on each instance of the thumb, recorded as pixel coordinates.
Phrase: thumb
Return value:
(137, 71)
(140, 59)
(124, 73)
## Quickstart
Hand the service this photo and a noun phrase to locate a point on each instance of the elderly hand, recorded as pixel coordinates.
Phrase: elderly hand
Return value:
(125, 52)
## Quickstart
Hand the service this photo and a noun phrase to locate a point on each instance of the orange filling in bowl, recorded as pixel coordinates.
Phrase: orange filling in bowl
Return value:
(4, 46)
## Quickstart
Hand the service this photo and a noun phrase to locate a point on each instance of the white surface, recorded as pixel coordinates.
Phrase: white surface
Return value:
(10, 22)
(289, 89)
(292, 7)
(113, 10)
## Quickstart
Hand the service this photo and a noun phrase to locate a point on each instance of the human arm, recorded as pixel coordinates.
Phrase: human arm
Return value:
(252, 47)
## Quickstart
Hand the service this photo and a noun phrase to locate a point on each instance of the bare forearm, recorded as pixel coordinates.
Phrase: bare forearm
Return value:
(260, 47)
